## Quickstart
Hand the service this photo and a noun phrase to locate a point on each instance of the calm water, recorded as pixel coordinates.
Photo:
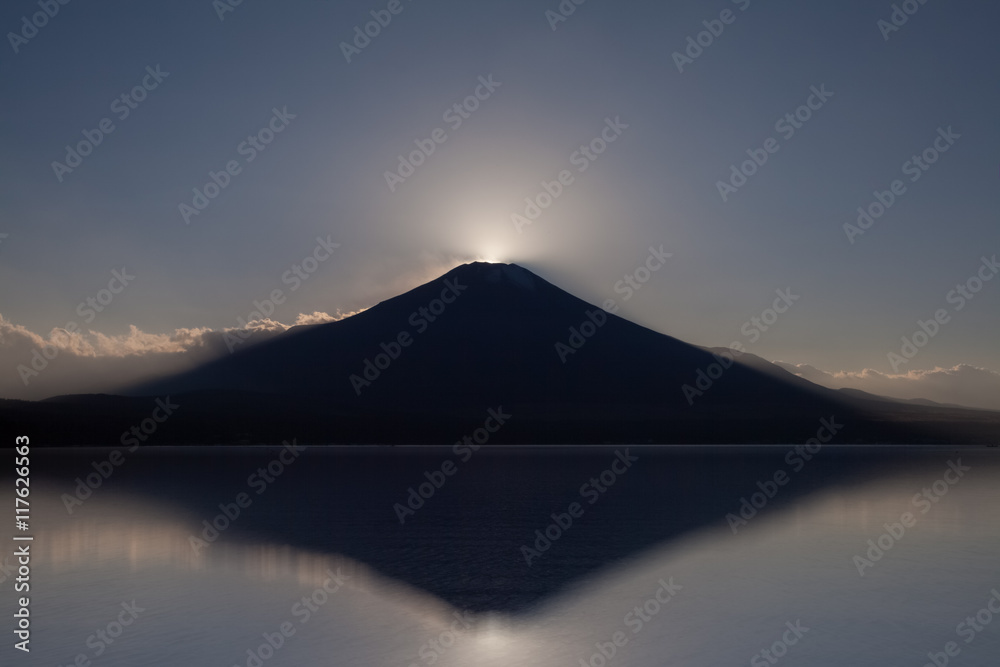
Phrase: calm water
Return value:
(652, 551)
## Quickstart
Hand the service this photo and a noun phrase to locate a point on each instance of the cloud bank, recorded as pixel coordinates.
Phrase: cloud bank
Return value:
(961, 384)
(33, 366)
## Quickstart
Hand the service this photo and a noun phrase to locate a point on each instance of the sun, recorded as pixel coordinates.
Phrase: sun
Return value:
(490, 258)
(491, 250)
(482, 232)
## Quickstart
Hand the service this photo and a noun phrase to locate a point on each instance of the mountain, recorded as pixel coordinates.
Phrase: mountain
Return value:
(428, 365)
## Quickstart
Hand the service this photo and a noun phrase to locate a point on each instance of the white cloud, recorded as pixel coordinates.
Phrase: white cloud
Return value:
(317, 317)
(93, 362)
(961, 384)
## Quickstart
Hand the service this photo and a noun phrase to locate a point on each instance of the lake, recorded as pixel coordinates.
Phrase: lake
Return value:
(412, 556)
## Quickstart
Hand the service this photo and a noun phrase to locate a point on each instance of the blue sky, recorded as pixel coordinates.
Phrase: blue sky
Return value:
(323, 176)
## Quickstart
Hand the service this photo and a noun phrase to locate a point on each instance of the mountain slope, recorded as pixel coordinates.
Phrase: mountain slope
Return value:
(508, 335)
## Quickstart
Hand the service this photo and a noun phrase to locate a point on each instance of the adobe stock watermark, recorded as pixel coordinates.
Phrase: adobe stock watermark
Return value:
(924, 501)
(88, 309)
(635, 620)
(915, 167)
(250, 147)
(706, 377)
(37, 21)
(591, 490)
(779, 648)
(968, 629)
(756, 325)
(302, 611)
(796, 458)
(899, 17)
(633, 281)
(223, 7)
(563, 11)
(294, 276)
(581, 333)
(958, 297)
(372, 29)
(714, 28)
(106, 467)
(259, 480)
(435, 647)
(122, 106)
(455, 116)
(581, 158)
(7, 570)
(595, 319)
(420, 320)
(787, 126)
(463, 450)
(105, 637)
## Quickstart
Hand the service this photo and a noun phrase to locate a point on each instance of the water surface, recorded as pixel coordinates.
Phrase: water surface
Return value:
(450, 585)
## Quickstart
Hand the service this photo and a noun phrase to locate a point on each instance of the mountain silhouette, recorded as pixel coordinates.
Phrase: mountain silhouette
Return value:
(428, 365)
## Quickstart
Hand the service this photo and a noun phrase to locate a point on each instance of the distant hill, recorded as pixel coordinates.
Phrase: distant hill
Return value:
(427, 365)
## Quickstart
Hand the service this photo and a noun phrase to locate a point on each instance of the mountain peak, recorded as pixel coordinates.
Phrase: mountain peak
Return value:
(496, 273)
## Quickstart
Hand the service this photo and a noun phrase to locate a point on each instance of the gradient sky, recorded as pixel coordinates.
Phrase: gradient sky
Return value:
(323, 176)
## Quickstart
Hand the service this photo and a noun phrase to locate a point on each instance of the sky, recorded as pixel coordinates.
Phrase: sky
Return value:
(626, 132)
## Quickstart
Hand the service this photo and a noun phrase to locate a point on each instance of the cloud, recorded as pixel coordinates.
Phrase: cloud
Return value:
(35, 366)
(962, 384)
(317, 317)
